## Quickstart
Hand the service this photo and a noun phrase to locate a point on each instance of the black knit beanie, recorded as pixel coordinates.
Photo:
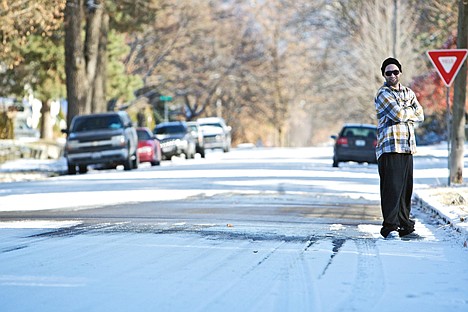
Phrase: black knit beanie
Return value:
(389, 61)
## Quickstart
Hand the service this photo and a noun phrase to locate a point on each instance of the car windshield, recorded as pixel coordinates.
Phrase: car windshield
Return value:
(143, 135)
(193, 128)
(170, 129)
(212, 125)
(359, 132)
(97, 123)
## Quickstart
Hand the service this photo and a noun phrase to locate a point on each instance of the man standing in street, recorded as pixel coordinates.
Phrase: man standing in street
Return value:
(397, 110)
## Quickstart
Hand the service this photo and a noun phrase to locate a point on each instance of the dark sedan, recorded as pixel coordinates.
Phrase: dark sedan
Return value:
(175, 139)
(355, 142)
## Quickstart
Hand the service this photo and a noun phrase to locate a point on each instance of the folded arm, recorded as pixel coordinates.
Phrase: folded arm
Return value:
(387, 105)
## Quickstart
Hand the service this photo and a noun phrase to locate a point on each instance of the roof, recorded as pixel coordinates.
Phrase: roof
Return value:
(359, 125)
(171, 123)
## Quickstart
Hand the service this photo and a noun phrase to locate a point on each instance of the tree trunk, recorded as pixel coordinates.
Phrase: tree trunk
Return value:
(7, 125)
(74, 60)
(98, 101)
(458, 123)
(94, 19)
(46, 121)
(85, 62)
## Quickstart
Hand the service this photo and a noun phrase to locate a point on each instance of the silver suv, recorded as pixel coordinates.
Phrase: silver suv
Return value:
(107, 139)
(216, 133)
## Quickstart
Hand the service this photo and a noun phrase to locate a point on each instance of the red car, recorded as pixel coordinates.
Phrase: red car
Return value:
(149, 149)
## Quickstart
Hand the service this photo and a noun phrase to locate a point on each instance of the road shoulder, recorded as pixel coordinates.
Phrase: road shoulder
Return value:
(448, 203)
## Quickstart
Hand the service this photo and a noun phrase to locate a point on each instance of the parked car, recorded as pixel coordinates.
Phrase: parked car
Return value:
(107, 139)
(216, 133)
(149, 148)
(197, 134)
(175, 139)
(355, 142)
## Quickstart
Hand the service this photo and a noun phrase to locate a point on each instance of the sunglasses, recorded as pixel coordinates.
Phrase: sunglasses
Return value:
(390, 72)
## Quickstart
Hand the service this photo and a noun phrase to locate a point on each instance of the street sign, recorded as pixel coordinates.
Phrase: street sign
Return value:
(448, 63)
(165, 98)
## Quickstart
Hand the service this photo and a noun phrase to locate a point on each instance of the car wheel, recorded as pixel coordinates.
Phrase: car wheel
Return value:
(71, 169)
(135, 160)
(155, 161)
(335, 163)
(128, 163)
(83, 169)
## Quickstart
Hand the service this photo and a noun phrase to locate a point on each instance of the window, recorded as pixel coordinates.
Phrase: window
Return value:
(97, 123)
(359, 131)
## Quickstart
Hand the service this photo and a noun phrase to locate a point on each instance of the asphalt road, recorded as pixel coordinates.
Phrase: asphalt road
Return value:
(222, 188)
(249, 230)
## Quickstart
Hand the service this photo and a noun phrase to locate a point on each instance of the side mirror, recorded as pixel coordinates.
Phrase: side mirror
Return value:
(229, 128)
(334, 137)
(64, 131)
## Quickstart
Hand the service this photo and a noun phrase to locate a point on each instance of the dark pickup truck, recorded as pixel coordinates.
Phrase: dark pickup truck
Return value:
(107, 139)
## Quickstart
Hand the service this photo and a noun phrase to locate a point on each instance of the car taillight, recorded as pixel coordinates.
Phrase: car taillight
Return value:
(145, 150)
(342, 141)
(375, 143)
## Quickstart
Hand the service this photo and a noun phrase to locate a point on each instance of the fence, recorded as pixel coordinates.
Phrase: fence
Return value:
(35, 149)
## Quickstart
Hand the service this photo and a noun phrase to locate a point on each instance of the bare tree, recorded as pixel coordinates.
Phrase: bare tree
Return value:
(369, 41)
(297, 67)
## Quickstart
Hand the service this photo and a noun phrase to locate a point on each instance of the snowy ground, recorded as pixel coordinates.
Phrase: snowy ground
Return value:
(448, 202)
(217, 270)
(244, 266)
(431, 177)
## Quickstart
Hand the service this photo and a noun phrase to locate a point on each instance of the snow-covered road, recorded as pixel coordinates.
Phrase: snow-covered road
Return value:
(276, 252)
(247, 267)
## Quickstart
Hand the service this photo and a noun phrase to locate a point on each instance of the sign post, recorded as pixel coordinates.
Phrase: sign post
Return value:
(448, 64)
(165, 99)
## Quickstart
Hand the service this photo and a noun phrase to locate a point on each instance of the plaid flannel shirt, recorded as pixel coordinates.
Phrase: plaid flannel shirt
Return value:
(397, 111)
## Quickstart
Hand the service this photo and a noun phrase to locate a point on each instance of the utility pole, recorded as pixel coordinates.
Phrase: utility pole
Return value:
(395, 27)
(459, 98)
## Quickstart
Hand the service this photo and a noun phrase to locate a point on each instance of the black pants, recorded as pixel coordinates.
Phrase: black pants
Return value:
(396, 189)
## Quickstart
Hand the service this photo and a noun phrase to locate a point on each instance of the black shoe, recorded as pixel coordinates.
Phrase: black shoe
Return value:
(411, 236)
(404, 232)
(385, 231)
(393, 235)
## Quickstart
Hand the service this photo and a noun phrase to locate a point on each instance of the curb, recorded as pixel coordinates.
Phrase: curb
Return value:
(451, 220)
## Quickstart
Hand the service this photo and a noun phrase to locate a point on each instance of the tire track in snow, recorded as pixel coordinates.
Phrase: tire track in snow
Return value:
(368, 287)
(337, 244)
(255, 296)
(291, 268)
(299, 277)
